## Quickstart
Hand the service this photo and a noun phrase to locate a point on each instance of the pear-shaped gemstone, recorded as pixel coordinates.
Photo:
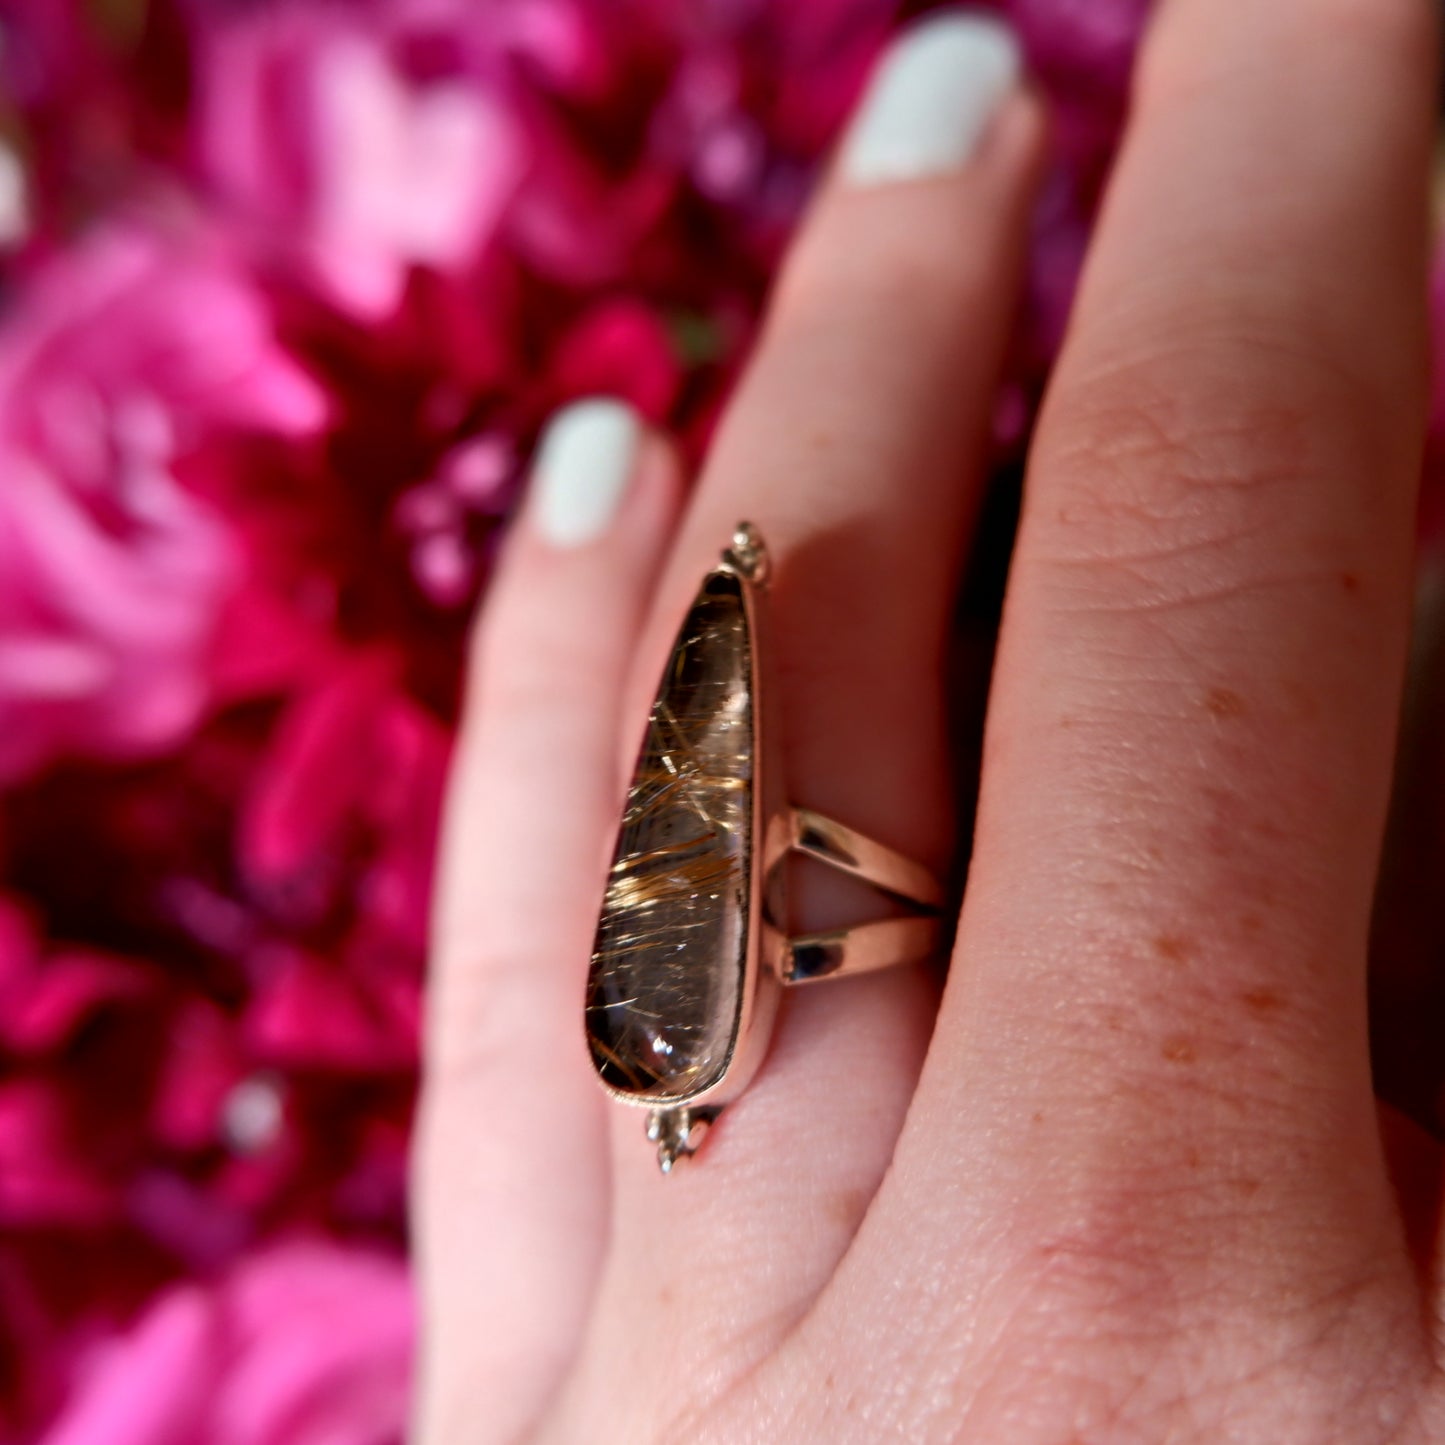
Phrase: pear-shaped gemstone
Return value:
(665, 988)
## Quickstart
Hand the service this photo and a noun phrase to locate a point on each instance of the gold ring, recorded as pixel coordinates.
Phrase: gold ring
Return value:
(691, 950)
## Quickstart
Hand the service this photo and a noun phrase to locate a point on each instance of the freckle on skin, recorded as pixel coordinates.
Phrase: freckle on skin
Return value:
(1179, 1050)
(1224, 703)
(1259, 887)
(1247, 1187)
(1173, 947)
(1350, 582)
(1191, 1159)
(1263, 1000)
(1037, 1116)
(848, 1207)
(1252, 923)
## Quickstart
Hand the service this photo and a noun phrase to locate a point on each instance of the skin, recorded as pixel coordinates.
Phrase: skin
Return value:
(1123, 1178)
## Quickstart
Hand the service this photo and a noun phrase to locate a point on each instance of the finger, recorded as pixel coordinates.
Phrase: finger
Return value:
(855, 444)
(511, 1184)
(1155, 1025)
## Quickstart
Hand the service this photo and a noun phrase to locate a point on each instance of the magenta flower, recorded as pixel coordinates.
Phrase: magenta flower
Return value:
(301, 1344)
(129, 355)
(104, 636)
(314, 126)
(45, 999)
(338, 835)
(44, 1179)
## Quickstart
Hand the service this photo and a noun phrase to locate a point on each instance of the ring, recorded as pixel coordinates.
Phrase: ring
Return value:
(691, 949)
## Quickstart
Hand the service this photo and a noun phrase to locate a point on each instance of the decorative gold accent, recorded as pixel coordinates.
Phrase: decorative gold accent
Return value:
(688, 961)
(678, 1133)
(747, 555)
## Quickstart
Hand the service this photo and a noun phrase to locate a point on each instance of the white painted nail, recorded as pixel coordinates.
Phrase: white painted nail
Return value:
(584, 463)
(931, 99)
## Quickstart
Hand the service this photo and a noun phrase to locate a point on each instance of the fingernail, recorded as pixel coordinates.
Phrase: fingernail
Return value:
(584, 462)
(931, 99)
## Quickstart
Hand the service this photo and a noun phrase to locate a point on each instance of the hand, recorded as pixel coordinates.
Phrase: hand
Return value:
(1124, 1179)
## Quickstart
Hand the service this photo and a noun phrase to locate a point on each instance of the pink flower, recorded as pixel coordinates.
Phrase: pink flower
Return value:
(202, 1067)
(337, 839)
(314, 126)
(301, 1344)
(44, 1178)
(45, 999)
(102, 632)
(128, 355)
(618, 348)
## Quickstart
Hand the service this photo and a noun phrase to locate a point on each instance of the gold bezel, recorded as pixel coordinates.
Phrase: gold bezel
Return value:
(759, 985)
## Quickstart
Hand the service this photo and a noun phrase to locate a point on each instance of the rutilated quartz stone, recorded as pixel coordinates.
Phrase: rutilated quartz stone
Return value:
(665, 986)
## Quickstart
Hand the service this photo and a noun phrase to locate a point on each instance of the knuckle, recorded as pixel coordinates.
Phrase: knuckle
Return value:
(1092, 1323)
(1124, 1243)
(1163, 483)
(1120, 1312)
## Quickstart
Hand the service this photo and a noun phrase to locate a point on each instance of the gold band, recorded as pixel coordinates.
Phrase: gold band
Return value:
(864, 948)
(841, 847)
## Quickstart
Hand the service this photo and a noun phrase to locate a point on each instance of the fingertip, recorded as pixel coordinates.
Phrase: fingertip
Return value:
(585, 460)
(932, 99)
(600, 473)
(603, 496)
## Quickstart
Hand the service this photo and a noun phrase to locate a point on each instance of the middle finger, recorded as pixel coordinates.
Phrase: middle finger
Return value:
(855, 444)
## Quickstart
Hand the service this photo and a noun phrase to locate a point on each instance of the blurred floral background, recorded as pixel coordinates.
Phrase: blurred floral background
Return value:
(287, 289)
